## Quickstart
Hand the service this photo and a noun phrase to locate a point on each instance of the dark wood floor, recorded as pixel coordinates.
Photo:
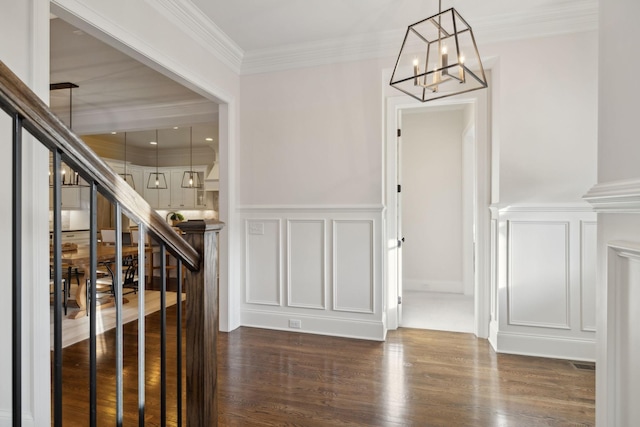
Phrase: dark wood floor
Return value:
(415, 378)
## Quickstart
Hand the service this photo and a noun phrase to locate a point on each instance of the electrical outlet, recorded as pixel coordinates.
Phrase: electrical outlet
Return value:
(295, 323)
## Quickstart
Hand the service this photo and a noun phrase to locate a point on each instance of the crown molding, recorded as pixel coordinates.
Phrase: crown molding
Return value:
(615, 196)
(195, 23)
(576, 17)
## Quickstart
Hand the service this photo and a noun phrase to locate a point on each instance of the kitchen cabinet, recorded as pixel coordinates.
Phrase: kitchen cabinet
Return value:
(158, 198)
(181, 198)
(70, 199)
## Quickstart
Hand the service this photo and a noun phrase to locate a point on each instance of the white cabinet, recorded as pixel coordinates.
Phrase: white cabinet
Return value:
(71, 198)
(158, 198)
(181, 198)
(174, 197)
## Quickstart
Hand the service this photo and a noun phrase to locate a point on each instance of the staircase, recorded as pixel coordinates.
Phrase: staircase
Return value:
(196, 249)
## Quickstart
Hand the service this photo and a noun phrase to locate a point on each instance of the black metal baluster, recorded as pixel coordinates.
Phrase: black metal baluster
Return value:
(57, 279)
(179, 340)
(93, 262)
(141, 322)
(117, 288)
(163, 335)
(16, 309)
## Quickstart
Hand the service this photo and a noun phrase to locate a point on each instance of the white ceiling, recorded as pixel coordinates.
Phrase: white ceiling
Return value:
(256, 25)
(269, 35)
(110, 81)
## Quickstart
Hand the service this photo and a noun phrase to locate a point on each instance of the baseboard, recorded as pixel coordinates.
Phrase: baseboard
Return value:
(6, 419)
(374, 330)
(545, 346)
(493, 335)
(452, 287)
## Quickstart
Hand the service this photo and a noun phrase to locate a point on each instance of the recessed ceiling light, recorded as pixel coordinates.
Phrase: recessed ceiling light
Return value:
(175, 127)
(153, 143)
(209, 139)
(113, 133)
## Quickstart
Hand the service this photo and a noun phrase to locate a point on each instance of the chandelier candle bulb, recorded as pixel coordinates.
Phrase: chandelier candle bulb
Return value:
(416, 71)
(445, 61)
(461, 70)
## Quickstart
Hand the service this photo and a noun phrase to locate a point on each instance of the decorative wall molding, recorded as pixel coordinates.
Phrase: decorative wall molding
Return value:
(548, 252)
(331, 259)
(527, 251)
(573, 17)
(192, 21)
(306, 267)
(546, 346)
(260, 288)
(618, 330)
(374, 329)
(588, 262)
(615, 197)
(501, 209)
(295, 209)
(353, 265)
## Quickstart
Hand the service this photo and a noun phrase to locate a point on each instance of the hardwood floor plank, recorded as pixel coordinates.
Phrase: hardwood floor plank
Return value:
(415, 378)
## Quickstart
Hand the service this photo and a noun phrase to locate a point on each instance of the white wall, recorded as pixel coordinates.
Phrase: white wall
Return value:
(431, 177)
(545, 127)
(617, 199)
(311, 175)
(546, 117)
(24, 48)
(312, 137)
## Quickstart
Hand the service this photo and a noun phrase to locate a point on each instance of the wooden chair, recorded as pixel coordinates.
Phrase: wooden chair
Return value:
(65, 290)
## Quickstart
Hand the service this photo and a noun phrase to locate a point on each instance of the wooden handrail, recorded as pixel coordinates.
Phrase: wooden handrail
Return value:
(18, 98)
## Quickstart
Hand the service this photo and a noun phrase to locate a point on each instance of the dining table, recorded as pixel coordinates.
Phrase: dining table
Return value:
(80, 258)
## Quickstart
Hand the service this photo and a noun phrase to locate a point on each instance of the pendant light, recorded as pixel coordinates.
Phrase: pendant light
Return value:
(157, 180)
(69, 178)
(128, 178)
(191, 178)
(438, 58)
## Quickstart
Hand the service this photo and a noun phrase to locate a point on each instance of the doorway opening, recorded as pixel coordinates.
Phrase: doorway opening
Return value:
(474, 183)
(437, 172)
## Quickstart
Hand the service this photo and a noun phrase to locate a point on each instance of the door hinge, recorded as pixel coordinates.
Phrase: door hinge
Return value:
(399, 188)
(400, 242)
(399, 133)
(399, 299)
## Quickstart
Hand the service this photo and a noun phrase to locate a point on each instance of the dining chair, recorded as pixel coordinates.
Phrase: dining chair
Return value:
(65, 290)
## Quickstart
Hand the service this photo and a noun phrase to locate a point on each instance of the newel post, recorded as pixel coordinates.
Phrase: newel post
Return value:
(202, 324)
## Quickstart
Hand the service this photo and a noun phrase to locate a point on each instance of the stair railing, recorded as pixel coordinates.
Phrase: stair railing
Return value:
(198, 253)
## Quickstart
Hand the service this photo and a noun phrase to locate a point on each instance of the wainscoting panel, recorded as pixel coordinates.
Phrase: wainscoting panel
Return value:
(588, 262)
(306, 261)
(538, 286)
(621, 342)
(263, 261)
(330, 257)
(353, 266)
(545, 281)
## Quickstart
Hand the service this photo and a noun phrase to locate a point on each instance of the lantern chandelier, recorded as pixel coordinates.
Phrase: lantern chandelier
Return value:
(438, 58)
(191, 178)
